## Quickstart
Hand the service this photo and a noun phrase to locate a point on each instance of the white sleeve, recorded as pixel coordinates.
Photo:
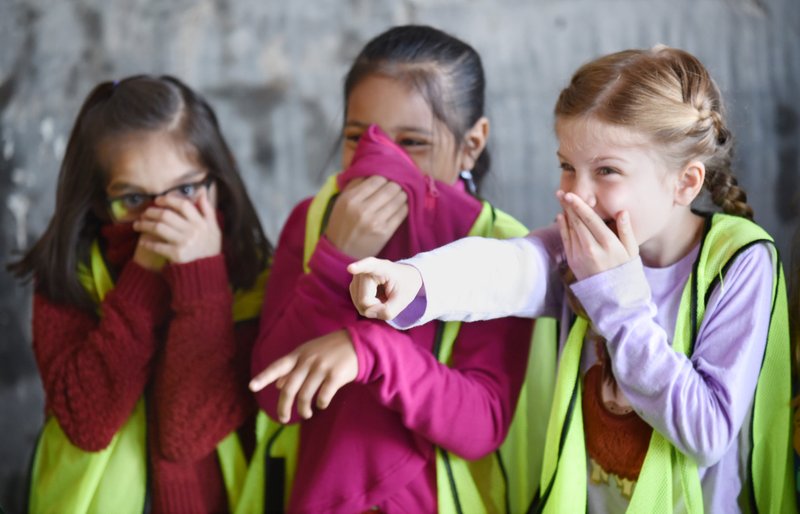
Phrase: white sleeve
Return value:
(479, 278)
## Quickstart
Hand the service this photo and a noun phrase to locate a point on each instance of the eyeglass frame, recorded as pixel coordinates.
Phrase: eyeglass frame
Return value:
(149, 198)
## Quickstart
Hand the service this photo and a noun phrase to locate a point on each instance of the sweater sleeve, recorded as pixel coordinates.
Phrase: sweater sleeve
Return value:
(466, 408)
(700, 402)
(94, 371)
(201, 376)
(300, 306)
(477, 278)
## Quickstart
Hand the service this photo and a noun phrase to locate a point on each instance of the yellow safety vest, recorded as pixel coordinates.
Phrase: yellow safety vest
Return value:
(504, 481)
(65, 478)
(668, 479)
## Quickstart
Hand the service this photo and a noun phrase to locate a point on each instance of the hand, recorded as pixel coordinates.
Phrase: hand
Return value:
(319, 367)
(382, 289)
(366, 215)
(590, 245)
(178, 231)
(147, 258)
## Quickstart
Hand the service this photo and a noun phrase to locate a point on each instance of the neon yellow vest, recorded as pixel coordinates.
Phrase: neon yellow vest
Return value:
(66, 478)
(669, 479)
(502, 482)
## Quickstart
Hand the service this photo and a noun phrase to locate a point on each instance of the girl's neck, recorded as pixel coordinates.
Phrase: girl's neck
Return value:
(675, 242)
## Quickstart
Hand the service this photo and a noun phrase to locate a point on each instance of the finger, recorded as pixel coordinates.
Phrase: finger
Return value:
(374, 205)
(167, 250)
(386, 193)
(563, 230)
(273, 372)
(328, 390)
(594, 224)
(294, 381)
(163, 231)
(165, 215)
(370, 265)
(364, 292)
(394, 206)
(626, 235)
(207, 210)
(363, 190)
(397, 218)
(182, 206)
(306, 394)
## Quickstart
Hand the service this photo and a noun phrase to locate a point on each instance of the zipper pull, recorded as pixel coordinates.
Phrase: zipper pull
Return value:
(431, 192)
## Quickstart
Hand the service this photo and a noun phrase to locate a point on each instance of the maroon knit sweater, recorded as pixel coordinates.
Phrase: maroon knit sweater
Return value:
(167, 336)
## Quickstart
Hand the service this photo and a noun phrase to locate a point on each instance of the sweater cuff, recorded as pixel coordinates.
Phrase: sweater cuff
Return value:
(611, 296)
(196, 279)
(364, 354)
(330, 264)
(143, 287)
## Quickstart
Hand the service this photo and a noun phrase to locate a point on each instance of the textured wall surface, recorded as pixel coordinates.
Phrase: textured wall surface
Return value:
(273, 71)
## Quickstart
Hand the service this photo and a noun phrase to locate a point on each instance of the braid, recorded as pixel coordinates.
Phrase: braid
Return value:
(726, 193)
(713, 134)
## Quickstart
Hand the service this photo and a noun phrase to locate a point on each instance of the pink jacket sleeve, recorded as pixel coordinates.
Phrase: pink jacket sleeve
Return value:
(466, 408)
(299, 307)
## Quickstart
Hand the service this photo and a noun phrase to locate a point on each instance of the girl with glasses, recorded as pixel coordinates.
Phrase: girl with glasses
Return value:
(148, 284)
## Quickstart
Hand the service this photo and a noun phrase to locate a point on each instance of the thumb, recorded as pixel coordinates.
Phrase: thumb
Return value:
(625, 233)
(204, 204)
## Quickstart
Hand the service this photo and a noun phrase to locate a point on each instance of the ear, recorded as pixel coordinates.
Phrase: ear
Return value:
(690, 182)
(474, 142)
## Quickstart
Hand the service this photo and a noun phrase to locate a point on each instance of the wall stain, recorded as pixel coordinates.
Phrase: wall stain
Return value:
(787, 183)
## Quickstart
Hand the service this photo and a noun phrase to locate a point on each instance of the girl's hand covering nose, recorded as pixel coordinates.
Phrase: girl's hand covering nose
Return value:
(590, 244)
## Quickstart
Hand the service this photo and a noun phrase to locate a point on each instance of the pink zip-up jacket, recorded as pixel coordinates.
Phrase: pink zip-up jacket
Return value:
(374, 445)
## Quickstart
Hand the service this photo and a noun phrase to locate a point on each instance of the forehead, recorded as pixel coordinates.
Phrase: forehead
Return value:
(391, 101)
(577, 135)
(150, 160)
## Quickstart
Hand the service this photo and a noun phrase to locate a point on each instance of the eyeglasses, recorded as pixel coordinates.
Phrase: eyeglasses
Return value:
(130, 206)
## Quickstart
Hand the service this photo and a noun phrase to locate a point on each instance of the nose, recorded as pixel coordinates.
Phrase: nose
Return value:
(583, 186)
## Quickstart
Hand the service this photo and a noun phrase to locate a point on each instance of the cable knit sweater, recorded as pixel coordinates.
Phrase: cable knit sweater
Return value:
(169, 336)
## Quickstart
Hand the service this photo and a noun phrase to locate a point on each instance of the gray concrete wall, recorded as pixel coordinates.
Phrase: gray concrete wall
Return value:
(273, 71)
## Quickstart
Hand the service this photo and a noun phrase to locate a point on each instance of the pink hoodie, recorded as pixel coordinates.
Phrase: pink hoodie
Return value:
(374, 445)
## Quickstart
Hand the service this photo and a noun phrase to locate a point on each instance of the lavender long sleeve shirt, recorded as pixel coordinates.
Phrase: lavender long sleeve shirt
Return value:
(701, 404)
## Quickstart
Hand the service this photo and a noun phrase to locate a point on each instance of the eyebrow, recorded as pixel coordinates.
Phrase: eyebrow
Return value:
(398, 128)
(126, 186)
(599, 158)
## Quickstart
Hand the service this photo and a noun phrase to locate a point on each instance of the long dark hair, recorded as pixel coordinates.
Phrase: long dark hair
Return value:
(138, 104)
(446, 71)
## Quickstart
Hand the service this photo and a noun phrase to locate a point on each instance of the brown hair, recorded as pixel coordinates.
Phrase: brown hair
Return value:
(668, 95)
(446, 71)
(113, 109)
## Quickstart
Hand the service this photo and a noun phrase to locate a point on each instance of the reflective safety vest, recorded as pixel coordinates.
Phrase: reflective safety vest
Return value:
(65, 478)
(669, 480)
(504, 481)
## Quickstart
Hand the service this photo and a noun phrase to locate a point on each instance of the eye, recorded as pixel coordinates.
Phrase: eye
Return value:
(566, 167)
(352, 137)
(605, 170)
(133, 200)
(187, 190)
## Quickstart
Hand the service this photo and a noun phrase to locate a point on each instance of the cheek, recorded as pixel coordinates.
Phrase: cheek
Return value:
(347, 156)
(566, 182)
